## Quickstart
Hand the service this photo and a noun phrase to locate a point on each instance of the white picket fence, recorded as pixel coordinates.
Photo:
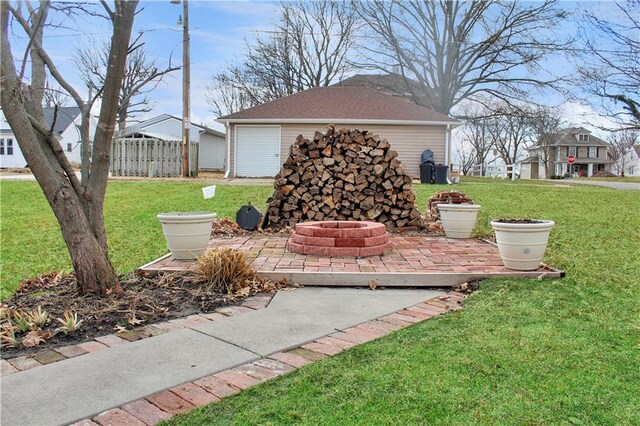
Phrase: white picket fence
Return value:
(495, 171)
(148, 157)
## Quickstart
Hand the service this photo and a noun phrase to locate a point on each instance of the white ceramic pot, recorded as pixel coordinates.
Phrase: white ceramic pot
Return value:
(187, 233)
(522, 245)
(458, 219)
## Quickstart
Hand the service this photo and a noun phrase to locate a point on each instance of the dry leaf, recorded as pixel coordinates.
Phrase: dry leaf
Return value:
(134, 321)
(120, 329)
(373, 284)
(34, 338)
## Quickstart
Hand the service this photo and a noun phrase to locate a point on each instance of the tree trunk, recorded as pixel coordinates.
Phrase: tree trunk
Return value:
(78, 206)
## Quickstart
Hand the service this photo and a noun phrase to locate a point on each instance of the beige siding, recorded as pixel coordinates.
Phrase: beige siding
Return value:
(408, 141)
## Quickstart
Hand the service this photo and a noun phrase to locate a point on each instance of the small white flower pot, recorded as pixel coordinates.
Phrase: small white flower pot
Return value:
(187, 233)
(522, 245)
(458, 219)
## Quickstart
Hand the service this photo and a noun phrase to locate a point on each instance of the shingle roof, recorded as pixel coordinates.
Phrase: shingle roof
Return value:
(64, 117)
(340, 104)
(567, 137)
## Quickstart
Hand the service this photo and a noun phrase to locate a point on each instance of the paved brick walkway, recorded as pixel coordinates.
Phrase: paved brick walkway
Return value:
(411, 254)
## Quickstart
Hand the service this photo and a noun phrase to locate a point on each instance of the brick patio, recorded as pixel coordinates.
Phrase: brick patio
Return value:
(414, 261)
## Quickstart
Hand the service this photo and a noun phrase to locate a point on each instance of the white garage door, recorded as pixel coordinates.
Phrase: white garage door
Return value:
(257, 151)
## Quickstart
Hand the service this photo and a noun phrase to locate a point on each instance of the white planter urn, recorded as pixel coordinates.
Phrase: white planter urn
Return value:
(458, 219)
(522, 245)
(187, 233)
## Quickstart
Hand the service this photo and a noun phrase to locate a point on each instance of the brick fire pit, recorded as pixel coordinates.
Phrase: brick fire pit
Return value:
(340, 238)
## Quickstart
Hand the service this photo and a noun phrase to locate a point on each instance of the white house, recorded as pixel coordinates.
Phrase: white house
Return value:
(66, 129)
(212, 148)
(630, 165)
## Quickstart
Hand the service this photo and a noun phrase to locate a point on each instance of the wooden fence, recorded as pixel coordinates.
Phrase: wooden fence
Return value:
(150, 157)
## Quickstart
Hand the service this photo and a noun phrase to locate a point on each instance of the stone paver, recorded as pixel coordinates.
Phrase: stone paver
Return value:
(291, 359)
(194, 394)
(48, 357)
(117, 417)
(110, 340)
(6, 368)
(70, 351)
(216, 386)
(24, 363)
(92, 346)
(170, 402)
(145, 411)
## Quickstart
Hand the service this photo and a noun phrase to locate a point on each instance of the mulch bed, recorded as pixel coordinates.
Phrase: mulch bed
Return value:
(145, 300)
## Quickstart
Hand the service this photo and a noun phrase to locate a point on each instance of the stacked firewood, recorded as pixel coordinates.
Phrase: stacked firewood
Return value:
(446, 197)
(342, 175)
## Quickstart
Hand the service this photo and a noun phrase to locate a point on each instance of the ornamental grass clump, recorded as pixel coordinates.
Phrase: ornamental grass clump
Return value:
(224, 270)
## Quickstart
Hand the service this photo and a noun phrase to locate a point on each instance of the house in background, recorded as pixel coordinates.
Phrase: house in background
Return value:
(66, 129)
(630, 165)
(167, 127)
(590, 154)
(258, 138)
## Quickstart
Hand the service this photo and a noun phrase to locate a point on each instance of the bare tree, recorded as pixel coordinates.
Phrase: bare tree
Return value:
(224, 97)
(54, 97)
(141, 76)
(545, 124)
(511, 131)
(611, 69)
(465, 156)
(310, 47)
(477, 133)
(622, 146)
(77, 205)
(457, 50)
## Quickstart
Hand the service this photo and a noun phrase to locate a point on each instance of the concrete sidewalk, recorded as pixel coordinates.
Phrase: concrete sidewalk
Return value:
(79, 388)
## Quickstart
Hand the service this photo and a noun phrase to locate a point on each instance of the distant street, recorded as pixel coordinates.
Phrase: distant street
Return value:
(616, 185)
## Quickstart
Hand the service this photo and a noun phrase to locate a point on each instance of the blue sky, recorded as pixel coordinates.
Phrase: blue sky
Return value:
(218, 31)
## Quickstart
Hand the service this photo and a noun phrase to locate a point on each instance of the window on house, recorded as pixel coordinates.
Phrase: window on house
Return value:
(1, 146)
(572, 150)
(69, 147)
(495, 152)
(557, 155)
(583, 138)
(9, 146)
(593, 152)
(630, 172)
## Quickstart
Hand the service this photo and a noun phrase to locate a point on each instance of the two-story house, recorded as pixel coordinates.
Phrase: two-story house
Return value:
(550, 158)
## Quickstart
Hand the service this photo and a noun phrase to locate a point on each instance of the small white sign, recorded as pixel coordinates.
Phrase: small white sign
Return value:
(209, 191)
(187, 123)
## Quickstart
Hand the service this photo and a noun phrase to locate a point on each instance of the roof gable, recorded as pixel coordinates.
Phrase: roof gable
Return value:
(64, 117)
(341, 104)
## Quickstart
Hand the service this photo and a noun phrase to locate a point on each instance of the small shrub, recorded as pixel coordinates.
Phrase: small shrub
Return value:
(224, 270)
(38, 317)
(8, 337)
(70, 322)
(22, 321)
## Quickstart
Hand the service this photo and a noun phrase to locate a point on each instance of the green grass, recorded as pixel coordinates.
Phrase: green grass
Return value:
(31, 243)
(521, 352)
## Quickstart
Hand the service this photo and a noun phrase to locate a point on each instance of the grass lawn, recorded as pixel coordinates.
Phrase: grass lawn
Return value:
(521, 352)
(31, 242)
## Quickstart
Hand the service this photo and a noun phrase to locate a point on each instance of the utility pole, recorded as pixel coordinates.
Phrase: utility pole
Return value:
(186, 89)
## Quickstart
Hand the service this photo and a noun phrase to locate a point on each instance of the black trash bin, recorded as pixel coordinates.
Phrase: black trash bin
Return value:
(427, 174)
(441, 174)
(427, 167)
